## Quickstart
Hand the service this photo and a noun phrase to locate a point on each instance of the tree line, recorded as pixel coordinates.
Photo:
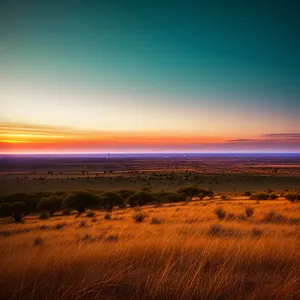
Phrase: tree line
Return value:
(18, 205)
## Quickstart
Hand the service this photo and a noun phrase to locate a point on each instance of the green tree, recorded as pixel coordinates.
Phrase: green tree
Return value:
(16, 210)
(292, 197)
(189, 191)
(82, 200)
(51, 204)
(29, 200)
(125, 193)
(111, 199)
(141, 198)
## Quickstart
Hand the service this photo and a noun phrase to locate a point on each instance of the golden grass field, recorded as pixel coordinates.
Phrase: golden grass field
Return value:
(180, 251)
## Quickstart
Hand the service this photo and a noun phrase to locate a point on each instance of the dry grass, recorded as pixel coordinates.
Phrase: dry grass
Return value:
(190, 255)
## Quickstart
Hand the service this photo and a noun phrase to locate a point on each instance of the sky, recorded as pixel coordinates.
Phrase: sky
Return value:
(149, 76)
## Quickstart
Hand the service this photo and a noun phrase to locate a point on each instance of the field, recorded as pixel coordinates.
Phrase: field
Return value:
(221, 173)
(179, 251)
(198, 249)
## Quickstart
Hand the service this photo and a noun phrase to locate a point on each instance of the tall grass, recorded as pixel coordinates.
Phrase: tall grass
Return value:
(172, 260)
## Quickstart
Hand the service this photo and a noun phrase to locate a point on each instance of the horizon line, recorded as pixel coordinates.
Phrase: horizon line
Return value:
(155, 152)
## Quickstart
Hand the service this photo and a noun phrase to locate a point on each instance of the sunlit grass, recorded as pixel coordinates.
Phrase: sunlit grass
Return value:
(189, 255)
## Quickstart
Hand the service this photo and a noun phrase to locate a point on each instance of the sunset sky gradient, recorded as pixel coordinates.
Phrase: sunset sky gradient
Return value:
(141, 76)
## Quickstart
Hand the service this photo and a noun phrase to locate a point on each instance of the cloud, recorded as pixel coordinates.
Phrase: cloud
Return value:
(242, 141)
(282, 136)
(270, 138)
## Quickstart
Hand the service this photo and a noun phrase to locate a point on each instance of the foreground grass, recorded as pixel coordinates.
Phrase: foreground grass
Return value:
(177, 252)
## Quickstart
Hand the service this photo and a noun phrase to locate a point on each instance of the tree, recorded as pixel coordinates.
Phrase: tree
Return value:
(260, 196)
(189, 191)
(82, 200)
(29, 204)
(165, 197)
(292, 197)
(125, 193)
(205, 193)
(111, 199)
(141, 198)
(51, 204)
(16, 210)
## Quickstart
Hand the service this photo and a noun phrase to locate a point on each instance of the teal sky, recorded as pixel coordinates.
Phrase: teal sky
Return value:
(217, 68)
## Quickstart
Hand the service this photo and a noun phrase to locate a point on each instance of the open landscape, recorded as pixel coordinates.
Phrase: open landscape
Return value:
(149, 150)
(160, 227)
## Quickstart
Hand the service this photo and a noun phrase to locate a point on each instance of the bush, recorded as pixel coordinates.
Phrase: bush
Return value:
(139, 216)
(80, 201)
(156, 221)
(273, 196)
(38, 242)
(141, 198)
(111, 199)
(125, 194)
(215, 230)
(249, 211)
(248, 194)
(51, 204)
(220, 213)
(16, 210)
(43, 217)
(107, 216)
(205, 193)
(273, 217)
(168, 197)
(60, 225)
(224, 197)
(90, 214)
(292, 197)
(189, 191)
(260, 196)
(30, 201)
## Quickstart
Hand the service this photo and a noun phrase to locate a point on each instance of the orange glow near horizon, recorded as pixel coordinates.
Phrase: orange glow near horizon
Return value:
(25, 138)
(31, 138)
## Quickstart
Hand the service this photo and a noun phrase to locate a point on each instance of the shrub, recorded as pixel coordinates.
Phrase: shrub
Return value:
(156, 221)
(292, 197)
(111, 199)
(43, 217)
(90, 214)
(60, 225)
(16, 210)
(51, 204)
(141, 198)
(206, 193)
(125, 193)
(139, 216)
(248, 194)
(165, 197)
(81, 201)
(189, 191)
(30, 201)
(273, 196)
(260, 196)
(37, 242)
(249, 211)
(224, 197)
(220, 213)
(273, 217)
(111, 238)
(107, 216)
(215, 230)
